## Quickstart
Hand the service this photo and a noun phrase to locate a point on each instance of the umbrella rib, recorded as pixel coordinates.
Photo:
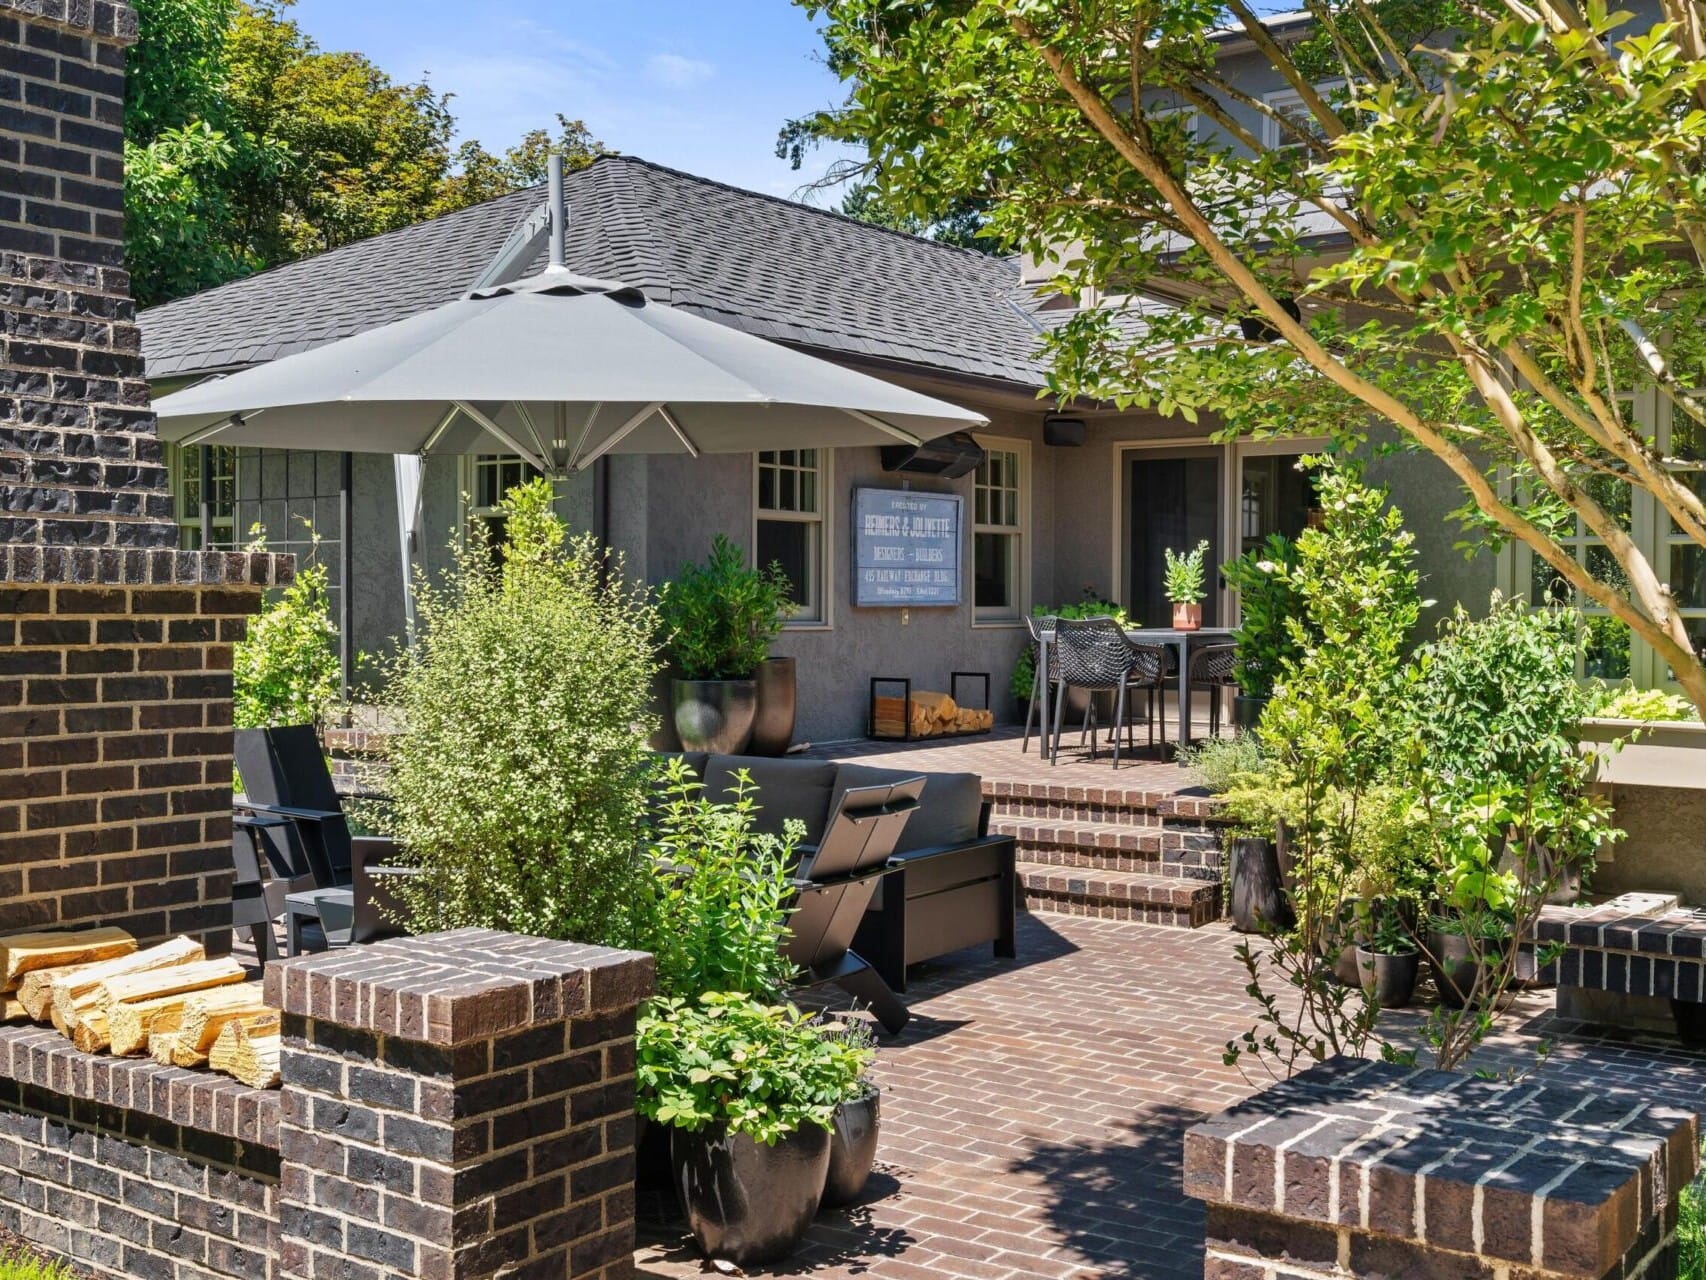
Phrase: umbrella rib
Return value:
(680, 434)
(502, 435)
(438, 432)
(207, 433)
(619, 435)
(586, 432)
(871, 420)
(526, 417)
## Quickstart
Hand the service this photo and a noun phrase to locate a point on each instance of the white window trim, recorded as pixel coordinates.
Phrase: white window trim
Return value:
(825, 519)
(1278, 100)
(188, 521)
(1004, 620)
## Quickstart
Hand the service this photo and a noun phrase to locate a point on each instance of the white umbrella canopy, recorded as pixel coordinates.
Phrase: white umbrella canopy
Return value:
(560, 369)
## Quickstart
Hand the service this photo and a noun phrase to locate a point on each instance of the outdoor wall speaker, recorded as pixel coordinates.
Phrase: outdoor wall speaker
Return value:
(1064, 433)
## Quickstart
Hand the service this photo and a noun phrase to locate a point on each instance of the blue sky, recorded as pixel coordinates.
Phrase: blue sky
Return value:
(701, 86)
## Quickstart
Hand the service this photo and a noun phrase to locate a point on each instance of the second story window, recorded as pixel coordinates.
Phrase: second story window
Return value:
(999, 516)
(788, 528)
(1288, 103)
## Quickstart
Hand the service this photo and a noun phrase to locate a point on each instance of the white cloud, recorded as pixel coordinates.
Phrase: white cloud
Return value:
(676, 72)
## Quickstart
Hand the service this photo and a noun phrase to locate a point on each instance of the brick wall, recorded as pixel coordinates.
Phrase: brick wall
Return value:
(453, 1107)
(115, 648)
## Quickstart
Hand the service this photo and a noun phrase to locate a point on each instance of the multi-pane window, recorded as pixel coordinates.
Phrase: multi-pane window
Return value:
(209, 471)
(1290, 104)
(998, 532)
(1684, 441)
(494, 475)
(792, 494)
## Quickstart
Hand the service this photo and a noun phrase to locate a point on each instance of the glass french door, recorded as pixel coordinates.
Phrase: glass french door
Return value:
(1174, 498)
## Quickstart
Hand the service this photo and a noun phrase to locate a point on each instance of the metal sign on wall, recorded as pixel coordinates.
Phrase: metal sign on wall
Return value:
(906, 548)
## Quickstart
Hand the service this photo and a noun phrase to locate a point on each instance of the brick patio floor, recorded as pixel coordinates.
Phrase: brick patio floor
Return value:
(1033, 1112)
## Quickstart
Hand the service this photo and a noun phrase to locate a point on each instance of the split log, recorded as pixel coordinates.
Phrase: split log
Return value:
(12, 1010)
(136, 988)
(22, 953)
(207, 1013)
(89, 1033)
(248, 1056)
(163, 1048)
(131, 1026)
(45, 989)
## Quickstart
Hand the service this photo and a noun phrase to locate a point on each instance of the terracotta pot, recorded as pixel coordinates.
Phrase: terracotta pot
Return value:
(714, 715)
(773, 719)
(852, 1148)
(746, 1202)
(1187, 617)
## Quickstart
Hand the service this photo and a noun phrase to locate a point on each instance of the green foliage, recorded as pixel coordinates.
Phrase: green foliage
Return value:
(723, 892)
(518, 773)
(1222, 762)
(286, 669)
(1267, 598)
(721, 617)
(1691, 1232)
(1518, 223)
(246, 145)
(1089, 605)
(1625, 702)
(16, 1264)
(730, 1061)
(1185, 580)
(961, 227)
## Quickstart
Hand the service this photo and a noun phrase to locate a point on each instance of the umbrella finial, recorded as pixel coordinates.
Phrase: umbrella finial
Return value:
(559, 212)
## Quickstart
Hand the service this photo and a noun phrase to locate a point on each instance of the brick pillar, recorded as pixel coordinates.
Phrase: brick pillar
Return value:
(456, 1106)
(115, 698)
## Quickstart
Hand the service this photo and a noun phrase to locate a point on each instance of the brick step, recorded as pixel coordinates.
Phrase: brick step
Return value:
(1107, 846)
(1130, 806)
(1119, 895)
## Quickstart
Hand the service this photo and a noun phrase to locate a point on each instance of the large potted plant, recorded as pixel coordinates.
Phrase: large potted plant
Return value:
(1267, 602)
(719, 619)
(749, 1092)
(1186, 585)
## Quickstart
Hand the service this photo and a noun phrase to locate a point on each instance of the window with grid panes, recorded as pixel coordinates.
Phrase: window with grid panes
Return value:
(998, 534)
(792, 490)
(221, 488)
(494, 475)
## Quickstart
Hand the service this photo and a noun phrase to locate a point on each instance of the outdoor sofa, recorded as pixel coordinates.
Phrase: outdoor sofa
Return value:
(949, 884)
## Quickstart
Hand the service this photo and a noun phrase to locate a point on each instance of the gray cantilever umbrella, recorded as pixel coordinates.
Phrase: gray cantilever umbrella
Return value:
(560, 369)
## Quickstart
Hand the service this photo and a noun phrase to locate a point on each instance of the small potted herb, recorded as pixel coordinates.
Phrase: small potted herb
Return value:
(749, 1092)
(719, 620)
(853, 1142)
(1389, 960)
(1187, 585)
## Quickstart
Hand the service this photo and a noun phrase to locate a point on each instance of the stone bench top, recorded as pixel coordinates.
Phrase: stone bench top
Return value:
(1551, 1177)
(1638, 922)
(41, 1058)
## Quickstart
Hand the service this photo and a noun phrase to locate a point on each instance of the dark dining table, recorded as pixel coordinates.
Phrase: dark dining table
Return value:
(1181, 642)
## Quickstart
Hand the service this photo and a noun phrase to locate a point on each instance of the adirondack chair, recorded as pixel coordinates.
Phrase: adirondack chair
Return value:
(834, 885)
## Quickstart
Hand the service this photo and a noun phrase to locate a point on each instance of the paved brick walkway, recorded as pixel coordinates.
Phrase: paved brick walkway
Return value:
(1033, 1112)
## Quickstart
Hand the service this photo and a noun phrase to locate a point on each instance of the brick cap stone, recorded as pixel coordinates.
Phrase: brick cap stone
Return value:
(1557, 1178)
(1647, 923)
(44, 1059)
(110, 21)
(28, 564)
(464, 985)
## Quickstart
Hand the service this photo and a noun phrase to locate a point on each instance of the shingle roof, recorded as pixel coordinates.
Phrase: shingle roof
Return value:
(764, 265)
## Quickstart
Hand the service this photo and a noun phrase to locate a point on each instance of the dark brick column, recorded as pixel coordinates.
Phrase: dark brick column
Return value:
(457, 1106)
(115, 697)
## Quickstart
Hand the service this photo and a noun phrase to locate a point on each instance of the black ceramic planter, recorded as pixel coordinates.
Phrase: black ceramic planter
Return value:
(1389, 979)
(852, 1148)
(746, 1202)
(1455, 968)
(773, 719)
(1256, 896)
(1247, 712)
(714, 715)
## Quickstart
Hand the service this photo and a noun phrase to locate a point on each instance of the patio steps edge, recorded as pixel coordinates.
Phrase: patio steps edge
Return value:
(1160, 850)
(1120, 895)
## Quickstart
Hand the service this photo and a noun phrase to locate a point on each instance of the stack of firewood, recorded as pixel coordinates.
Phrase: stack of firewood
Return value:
(169, 1001)
(931, 715)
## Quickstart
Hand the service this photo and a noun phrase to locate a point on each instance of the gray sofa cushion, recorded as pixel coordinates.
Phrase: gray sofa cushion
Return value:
(948, 813)
(786, 788)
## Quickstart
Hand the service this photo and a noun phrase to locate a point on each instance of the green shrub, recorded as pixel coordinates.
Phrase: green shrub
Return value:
(1221, 762)
(518, 778)
(728, 1060)
(286, 671)
(1625, 702)
(1691, 1232)
(15, 1264)
(722, 907)
(719, 618)
(1267, 600)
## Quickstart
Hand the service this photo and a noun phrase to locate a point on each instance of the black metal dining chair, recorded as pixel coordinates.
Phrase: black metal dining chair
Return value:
(1213, 667)
(1036, 627)
(1094, 655)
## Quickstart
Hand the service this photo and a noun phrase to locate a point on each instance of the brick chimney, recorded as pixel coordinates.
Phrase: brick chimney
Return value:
(115, 646)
